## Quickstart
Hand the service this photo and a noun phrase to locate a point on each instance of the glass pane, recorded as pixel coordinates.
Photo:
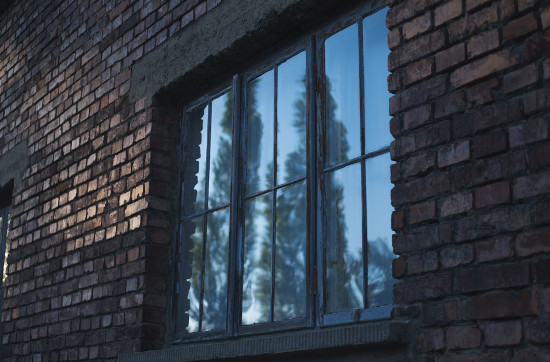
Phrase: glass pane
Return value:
(376, 52)
(342, 122)
(344, 258)
(215, 273)
(196, 142)
(290, 260)
(260, 100)
(220, 150)
(379, 232)
(257, 260)
(291, 119)
(191, 234)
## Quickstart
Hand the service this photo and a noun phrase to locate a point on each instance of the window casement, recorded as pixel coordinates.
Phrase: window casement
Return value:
(284, 219)
(4, 247)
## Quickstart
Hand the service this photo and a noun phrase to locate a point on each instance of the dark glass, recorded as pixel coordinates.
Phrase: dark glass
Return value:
(7, 248)
(343, 222)
(220, 150)
(215, 271)
(376, 52)
(256, 305)
(290, 250)
(260, 137)
(291, 119)
(342, 118)
(379, 232)
(192, 249)
(196, 143)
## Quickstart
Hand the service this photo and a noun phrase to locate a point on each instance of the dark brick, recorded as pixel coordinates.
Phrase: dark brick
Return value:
(502, 333)
(500, 304)
(492, 277)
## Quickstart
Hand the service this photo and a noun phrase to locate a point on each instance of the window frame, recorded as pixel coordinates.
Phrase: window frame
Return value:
(313, 45)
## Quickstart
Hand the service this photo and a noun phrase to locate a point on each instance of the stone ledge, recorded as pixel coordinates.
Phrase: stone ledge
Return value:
(375, 333)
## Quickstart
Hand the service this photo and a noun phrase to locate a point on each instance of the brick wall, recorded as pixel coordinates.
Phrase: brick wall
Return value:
(472, 177)
(91, 227)
(88, 277)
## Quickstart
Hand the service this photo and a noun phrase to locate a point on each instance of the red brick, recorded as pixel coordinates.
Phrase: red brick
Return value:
(454, 256)
(538, 331)
(397, 220)
(490, 143)
(418, 25)
(474, 4)
(483, 67)
(497, 248)
(521, 26)
(452, 154)
(425, 288)
(532, 185)
(545, 18)
(542, 212)
(520, 78)
(483, 43)
(545, 298)
(502, 333)
(417, 71)
(533, 242)
(530, 131)
(394, 38)
(450, 104)
(440, 312)
(456, 204)
(481, 93)
(430, 340)
(531, 356)
(422, 212)
(492, 194)
(494, 277)
(417, 117)
(450, 57)
(398, 267)
(447, 11)
(422, 263)
(500, 304)
(462, 337)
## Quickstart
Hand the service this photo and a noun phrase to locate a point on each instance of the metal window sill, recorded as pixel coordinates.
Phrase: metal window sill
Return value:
(380, 332)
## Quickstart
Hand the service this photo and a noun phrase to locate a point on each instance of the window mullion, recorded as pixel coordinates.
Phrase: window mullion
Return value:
(274, 197)
(363, 163)
(237, 194)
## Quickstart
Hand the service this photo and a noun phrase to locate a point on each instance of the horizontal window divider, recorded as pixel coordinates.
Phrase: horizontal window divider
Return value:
(386, 332)
(357, 159)
(203, 213)
(278, 187)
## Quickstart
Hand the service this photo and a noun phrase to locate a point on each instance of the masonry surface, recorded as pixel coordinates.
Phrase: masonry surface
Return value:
(88, 132)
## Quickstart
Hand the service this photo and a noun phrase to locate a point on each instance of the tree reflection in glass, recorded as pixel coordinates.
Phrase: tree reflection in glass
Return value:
(342, 123)
(276, 291)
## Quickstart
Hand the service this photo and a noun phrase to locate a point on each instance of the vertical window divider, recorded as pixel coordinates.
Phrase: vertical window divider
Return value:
(274, 196)
(363, 162)
(236, 213)
(311, 178)
(205, 215)
(320, 230)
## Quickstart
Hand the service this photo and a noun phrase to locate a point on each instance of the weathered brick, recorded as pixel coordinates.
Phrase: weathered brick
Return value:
(422, 212)
(462, 337)
(538, 331)
(422, 263)
(429, 287)
(452, 154)
(531, 185)
(430, 340)
(417, 71)
(500, 304)
(418, 25)
(483, 67)
(490, 143)
(497, 248)
(450, 57)
(502, 333)
(483, 43)
(533, 242)
(454, 256)
(529, 131)
(492, 194)
(456, 204)
(440, 312)
(521, 26)
(520, 78)
(494, 277)
(447, 11)
(531, 356)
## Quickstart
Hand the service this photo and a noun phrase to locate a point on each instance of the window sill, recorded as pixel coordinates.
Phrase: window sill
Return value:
(381, 332)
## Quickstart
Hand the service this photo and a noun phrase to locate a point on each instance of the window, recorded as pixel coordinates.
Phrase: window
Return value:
(285, 208)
